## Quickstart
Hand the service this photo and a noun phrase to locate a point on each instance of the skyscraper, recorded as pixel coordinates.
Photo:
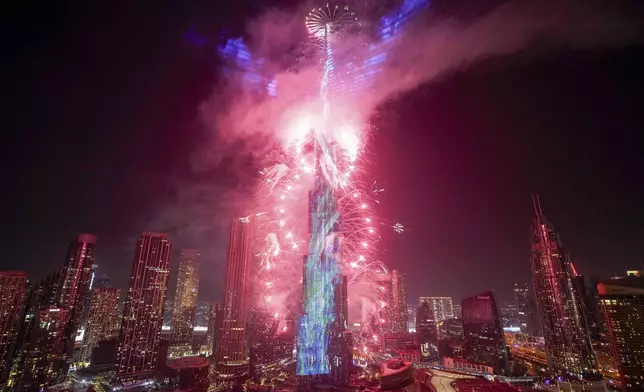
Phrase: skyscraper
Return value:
(76, 278)
(427, 332)
(483, 332)
(622, 303)
(138, 348)
(442, 307)
(13, 296)
(102, 320)
(214, 325)
(526, 310)
(565, 329)
(231, 357)
(185, 299)
(399, 304)
(45, 358)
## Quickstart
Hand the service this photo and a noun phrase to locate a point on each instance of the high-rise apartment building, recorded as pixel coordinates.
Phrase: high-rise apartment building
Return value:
(13, 298)
(76, 278)
(232, 354)
(102, 321)
(622, 302)
(442, 307)
(483, 332)
(565, 328)
(185, 299)
(427, 332)
(140, 335)
(399, 304)
(457, 311)
(45, 357)
(526, 310)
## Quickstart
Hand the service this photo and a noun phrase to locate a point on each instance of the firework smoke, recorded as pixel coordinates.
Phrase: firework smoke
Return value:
(249, 134)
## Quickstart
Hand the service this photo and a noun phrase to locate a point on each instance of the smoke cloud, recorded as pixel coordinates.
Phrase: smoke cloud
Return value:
(244, 128)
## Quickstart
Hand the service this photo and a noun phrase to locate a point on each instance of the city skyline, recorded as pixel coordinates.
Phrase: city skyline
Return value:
(398, 195)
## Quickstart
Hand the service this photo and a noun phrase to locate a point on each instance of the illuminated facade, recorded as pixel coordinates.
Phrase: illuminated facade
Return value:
(442, 307)
(427, 332)
(232, 354)
(185, 299)
(399, 303)
(77, 273)
(102, 321)
(564, 325)
(138, 350)
(45, 356)
(483, 332)
(526, 310)
(13, 297)
(319, 324)
(622, 302)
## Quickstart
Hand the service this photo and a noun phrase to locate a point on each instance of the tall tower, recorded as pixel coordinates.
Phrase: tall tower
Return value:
(76, 278)
(622, 303)
(102, 320)
(565, 330)
(231, 357)
(13, 296)
(399, 290)
(483, 332)
(138, 348)
(185, 299)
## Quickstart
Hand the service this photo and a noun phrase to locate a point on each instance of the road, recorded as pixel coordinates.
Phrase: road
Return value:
(442, 380)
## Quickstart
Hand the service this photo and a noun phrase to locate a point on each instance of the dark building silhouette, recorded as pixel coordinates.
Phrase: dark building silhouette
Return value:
(13, 297)
(622, 302)
(214, 325)
(527, 314)
(427, 332)
(231, 356)
(483, 332)
(138, 351)
(565, 329)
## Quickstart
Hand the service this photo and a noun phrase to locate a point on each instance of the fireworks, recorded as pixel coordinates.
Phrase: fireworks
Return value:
(325, 21)
(317, 211)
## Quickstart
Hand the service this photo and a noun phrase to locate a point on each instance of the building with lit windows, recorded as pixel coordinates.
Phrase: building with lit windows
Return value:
(622, 302)
(564, 325)
(527, 315)
(483, 332)
(138, 353)
(13, 297)
(45, 362)
(427, 332)
(442, 307)
(185, 299)
(214, 324)
(102, 321)
(232, 354)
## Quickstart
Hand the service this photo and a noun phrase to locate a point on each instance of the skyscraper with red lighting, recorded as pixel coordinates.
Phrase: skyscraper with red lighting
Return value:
(75, 284)
(483, 332)
(185, 299)
(564, 327)
(231, 356)
(140, 335)
(13, 298)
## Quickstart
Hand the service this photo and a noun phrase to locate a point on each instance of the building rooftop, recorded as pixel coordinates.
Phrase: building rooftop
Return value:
(188, 363)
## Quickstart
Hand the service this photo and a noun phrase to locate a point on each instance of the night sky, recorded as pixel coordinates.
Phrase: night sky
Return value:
(101, 124)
